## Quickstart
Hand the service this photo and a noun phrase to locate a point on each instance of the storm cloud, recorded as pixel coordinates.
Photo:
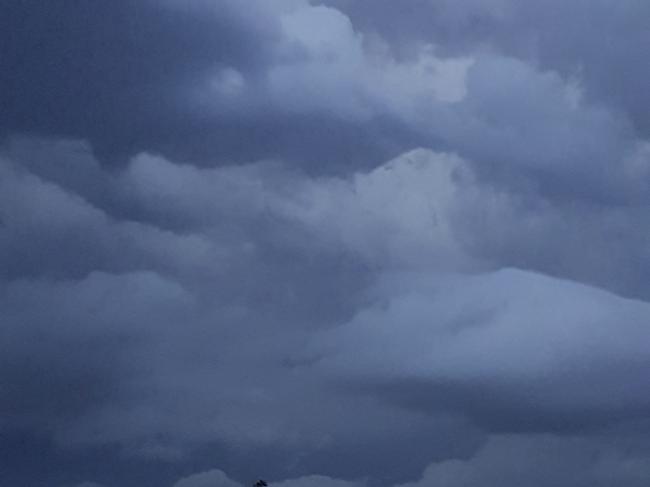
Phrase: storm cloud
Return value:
(330, 244)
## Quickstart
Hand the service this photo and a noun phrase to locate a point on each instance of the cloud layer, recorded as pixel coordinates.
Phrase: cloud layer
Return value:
(326, 243)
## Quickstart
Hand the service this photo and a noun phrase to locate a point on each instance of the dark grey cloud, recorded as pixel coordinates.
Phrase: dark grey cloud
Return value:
(210, 336)
(132, 75)
(342, 244)
(77, 69)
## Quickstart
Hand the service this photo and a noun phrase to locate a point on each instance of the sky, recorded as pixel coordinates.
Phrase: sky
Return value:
(338, 243)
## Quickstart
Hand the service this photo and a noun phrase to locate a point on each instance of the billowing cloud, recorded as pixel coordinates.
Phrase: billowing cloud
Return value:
(325, 243)
(414, 327)
(574, 38)
(540, 460)
(216, 478)
(534, 460)
(212, 478)
(513, 350)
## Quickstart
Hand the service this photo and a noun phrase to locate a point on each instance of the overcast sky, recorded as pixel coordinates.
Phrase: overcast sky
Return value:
(348, 243)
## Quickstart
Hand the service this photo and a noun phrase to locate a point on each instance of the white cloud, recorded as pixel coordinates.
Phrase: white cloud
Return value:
(327, 66)
(216, 478)
(212, 478)
(400, 213)
(535, 342)
(317, 481)
(541, 460)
